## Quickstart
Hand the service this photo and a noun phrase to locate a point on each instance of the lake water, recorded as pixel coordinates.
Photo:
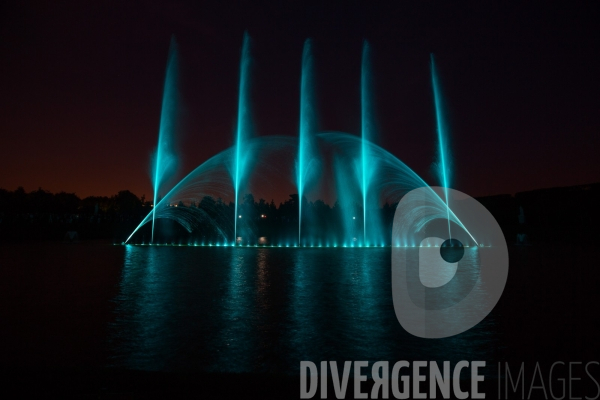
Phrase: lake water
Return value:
(263, 310)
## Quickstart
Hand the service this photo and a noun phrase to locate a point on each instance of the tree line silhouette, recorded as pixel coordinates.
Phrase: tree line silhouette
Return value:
(262, 222)
(556, 215)
(40, 214)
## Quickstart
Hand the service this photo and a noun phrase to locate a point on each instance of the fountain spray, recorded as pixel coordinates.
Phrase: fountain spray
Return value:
(165, 158)
(243, 123)
(442, 143)
(307, 129)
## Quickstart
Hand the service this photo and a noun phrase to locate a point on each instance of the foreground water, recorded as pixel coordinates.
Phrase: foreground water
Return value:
(263, 310)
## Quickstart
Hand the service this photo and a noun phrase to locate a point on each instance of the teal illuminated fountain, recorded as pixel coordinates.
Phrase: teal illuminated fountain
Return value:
(165, 160)
(366, 175)
(306, 161)
(243, 127)
(368, 163)
(444, 161)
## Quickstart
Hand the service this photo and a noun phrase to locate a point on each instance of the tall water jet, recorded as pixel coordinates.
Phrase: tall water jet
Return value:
(305, 162)
(368, 163)
(444, 161)
(165, 159)
(243, 124)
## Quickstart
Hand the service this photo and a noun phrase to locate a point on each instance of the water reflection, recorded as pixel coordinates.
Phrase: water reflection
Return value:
(307, 302)
(362, 299)
(142, 316)
(265, 310)
(237, 312)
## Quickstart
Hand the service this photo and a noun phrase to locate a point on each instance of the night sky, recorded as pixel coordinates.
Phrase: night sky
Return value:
(81, 86)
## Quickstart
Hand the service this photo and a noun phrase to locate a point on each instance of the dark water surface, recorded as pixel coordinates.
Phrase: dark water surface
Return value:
(263, 310)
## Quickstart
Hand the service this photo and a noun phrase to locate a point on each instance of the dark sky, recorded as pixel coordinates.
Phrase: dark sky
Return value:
(81, 85)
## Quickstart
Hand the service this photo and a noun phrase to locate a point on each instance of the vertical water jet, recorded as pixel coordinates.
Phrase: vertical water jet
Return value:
(366, 126)
(443, 164)
(306, 145)
(368, 162)
(165, 159)
(243, 125)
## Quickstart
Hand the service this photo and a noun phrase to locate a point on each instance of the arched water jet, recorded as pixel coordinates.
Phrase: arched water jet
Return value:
(272, 167)
(394, 178)
(209, 178)
(360, 155)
